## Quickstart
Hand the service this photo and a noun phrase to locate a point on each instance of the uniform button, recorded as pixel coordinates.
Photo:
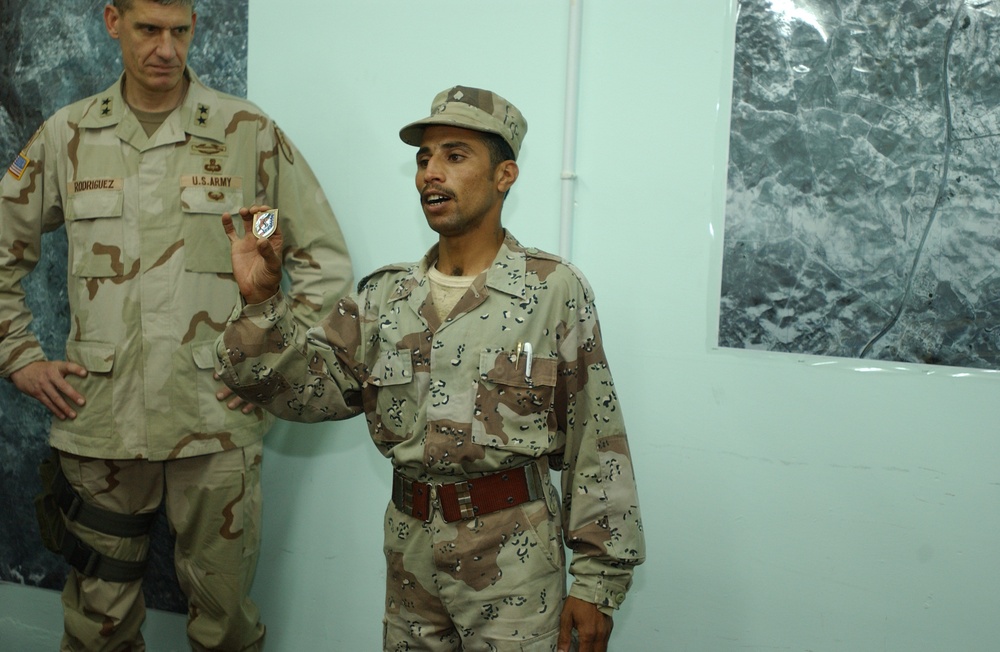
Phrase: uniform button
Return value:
(620, 598)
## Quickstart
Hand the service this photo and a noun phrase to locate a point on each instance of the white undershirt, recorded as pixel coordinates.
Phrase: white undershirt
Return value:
(447, 290)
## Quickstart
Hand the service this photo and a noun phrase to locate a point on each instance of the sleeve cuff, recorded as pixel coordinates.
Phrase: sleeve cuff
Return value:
(260, 316)
(26, 357)
(607, 595)
(264, 308)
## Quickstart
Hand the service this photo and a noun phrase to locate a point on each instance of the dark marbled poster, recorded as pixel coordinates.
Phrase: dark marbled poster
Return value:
(862, 202)
(51, 54)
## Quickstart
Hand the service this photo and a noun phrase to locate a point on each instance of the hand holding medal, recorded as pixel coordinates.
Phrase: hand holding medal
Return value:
(256, 255)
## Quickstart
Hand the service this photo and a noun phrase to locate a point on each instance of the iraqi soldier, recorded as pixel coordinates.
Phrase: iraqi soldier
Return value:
(479, 369)
(139, 175)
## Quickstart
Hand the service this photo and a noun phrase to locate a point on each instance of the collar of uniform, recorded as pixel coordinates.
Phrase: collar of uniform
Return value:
(505, 274)
(107, 108)
(199, 111)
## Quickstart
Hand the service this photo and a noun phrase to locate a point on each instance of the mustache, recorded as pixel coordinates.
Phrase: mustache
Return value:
(435, 189)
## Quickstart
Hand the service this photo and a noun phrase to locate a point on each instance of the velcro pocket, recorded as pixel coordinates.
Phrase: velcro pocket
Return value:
(206, 247)
(94, 229)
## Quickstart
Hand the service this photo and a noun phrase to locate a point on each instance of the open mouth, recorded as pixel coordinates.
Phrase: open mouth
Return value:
(436, 199)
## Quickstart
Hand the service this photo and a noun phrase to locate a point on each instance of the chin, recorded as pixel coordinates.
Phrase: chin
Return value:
(164, 80)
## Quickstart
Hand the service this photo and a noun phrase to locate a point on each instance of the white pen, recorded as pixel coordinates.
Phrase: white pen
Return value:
(527, 359)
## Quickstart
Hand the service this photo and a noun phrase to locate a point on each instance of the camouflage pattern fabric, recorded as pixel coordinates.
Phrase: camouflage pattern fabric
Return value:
(150, 279)
(150, 287)
(451, 399)
(494, 583)
(213, 503)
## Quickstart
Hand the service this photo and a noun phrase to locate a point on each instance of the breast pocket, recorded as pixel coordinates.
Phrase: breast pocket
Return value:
(94, 228)
(395, 396)
(206, 247)
(513, 411)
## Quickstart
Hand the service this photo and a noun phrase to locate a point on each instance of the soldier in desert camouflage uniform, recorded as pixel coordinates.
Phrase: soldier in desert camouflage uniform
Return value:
(477, 368)
(139, 175)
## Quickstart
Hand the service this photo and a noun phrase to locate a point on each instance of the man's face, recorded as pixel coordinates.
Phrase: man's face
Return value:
(154, 39)
(460, 191)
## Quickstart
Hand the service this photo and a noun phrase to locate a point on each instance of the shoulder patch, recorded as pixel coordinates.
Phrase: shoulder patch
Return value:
(17, 168)
(395, 267)
(284, 145)
(21, 161)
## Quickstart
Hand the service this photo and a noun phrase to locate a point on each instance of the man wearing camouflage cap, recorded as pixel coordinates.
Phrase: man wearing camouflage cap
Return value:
(478, 368)
(139, 175)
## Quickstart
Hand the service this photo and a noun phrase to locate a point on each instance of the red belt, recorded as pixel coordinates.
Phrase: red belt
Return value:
(467, 498)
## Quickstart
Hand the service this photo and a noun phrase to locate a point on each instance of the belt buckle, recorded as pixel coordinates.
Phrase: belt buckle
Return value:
(405, 495)
(533, 480)
(434, 500)
(410, 495)
(463, 495)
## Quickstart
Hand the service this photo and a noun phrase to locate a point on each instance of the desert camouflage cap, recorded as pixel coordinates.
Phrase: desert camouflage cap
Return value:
(471, 108)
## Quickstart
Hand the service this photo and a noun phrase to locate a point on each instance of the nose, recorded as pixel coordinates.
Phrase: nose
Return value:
(165, 47)
(432, 170)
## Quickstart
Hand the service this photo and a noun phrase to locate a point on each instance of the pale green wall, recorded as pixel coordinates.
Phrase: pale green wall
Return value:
(790, 502)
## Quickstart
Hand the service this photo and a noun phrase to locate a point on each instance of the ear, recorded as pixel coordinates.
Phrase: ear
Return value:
(506, 175)
(111, 20)
(194, 20)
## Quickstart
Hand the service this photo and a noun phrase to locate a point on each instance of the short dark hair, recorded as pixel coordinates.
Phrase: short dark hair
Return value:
(500, 150)
(126, 5)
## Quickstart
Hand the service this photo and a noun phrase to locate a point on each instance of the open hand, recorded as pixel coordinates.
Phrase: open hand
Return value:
(256, 262)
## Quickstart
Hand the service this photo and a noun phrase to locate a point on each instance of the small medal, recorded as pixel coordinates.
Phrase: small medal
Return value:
(265, 223)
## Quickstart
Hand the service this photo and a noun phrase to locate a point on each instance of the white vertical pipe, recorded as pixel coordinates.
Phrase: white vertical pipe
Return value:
(569, 128)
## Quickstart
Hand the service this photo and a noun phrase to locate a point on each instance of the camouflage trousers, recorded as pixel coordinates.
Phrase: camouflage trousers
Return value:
(495, 582)
(213, 507)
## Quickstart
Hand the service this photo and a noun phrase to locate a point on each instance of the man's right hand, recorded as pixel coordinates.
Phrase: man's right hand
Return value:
(256, 262)
(46, 382)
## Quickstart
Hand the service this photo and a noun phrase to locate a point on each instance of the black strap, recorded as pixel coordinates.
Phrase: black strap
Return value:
(91, 563)
(96, 518)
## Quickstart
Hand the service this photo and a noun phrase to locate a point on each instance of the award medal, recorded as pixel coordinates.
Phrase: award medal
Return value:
(265, 223)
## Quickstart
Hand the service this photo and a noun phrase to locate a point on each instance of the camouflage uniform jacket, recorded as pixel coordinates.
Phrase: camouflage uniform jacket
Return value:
(452, 398)
(149, 273)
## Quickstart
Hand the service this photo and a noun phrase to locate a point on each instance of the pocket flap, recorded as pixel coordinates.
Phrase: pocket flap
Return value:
(500, 368)
(203, 354)
(210, 200)
(94, 204)
(98, 357)
(392, 368)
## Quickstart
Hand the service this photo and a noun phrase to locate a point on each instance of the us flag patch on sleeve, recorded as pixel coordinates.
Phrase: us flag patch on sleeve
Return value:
(16, 168)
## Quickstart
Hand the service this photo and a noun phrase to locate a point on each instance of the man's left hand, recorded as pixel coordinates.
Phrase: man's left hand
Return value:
(592, 627)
